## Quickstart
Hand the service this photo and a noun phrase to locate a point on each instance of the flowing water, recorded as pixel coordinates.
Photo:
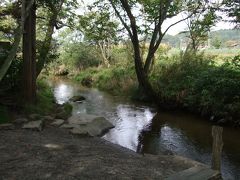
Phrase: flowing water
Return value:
(145, 129)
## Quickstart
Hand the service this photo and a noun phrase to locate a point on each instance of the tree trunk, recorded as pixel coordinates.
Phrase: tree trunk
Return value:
(29, 56)
(142, 77)
(46, 46)
(7, 63)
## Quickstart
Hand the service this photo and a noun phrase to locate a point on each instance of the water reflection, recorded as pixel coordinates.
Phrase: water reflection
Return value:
(129, 123)
(139, 128)
(63, 93)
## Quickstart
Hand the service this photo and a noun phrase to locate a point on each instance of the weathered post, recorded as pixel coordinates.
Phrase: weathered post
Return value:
(217, 147)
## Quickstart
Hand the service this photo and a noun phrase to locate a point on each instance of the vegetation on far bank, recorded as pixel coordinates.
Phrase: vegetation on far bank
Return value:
(195, 82)
(121, 47)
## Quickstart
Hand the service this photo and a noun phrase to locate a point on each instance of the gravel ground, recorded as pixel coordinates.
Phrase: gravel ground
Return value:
(55, 154)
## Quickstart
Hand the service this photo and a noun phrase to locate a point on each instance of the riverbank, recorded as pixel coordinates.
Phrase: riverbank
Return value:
(55, 154)
(196, 84)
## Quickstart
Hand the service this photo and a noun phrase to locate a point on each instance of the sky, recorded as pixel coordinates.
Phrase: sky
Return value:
(180, 26)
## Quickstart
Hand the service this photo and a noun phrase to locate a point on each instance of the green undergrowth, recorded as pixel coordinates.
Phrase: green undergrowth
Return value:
(200, 85)
(45, 100)
(117, 80)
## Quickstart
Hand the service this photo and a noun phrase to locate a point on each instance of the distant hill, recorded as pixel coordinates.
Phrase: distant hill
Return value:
(225, 36)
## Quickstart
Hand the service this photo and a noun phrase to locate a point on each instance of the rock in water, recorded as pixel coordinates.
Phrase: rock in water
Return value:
(99, 126)
(77, 98)
(34, 125)
(57, 122)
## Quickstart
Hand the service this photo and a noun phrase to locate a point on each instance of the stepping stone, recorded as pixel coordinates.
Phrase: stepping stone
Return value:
(82, 130)
(34, 125)
(99, 126)
(69, 126)
(81, 119)
(57, 122)
(48, 118)
(34, 116)
(7, 126)
(21, 120)
(196, 173)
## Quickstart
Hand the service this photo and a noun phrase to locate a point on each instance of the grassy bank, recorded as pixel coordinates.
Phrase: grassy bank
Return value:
(117, 80)
(200, 85)
(197, 83)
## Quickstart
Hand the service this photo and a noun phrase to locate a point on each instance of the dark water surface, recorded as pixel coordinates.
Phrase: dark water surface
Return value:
(146, 130)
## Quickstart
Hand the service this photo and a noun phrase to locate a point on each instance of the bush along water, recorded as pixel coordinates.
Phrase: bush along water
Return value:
(117, 80)
(197, 84)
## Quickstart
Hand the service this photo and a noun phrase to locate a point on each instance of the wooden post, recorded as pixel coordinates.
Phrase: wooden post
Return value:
(217, 147)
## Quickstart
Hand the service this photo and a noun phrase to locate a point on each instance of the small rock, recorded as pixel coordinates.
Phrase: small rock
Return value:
(34, 125)
(69, 126)
(83, 131)
(34, 116)
(57, 122)
(77, 98)
(21, 120)
(222, 121)
(7, 126)
(48, 118)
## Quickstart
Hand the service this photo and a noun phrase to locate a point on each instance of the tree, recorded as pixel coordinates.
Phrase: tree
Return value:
(232, 8)
(29, 52)
(99, 29)
(17, 35)
(58, 12)
(199, 26)
(156, 12)
(216, 42)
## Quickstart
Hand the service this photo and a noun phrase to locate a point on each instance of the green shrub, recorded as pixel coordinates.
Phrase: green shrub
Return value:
(45, 100)
(196, 83)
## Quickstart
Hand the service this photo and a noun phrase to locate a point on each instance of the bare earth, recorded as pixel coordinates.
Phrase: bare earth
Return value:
(56, 154)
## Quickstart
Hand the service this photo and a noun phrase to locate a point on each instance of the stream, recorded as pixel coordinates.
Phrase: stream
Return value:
(145, 129)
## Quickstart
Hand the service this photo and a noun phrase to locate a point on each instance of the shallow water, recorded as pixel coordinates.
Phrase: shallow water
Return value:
(145, 130)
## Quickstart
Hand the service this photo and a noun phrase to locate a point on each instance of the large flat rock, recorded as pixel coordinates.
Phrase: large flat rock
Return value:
(81, 119)
(82, 130)
(99, 126)
(96, 127)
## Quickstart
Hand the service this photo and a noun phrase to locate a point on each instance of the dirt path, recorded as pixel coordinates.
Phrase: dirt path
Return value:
(55, 154)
